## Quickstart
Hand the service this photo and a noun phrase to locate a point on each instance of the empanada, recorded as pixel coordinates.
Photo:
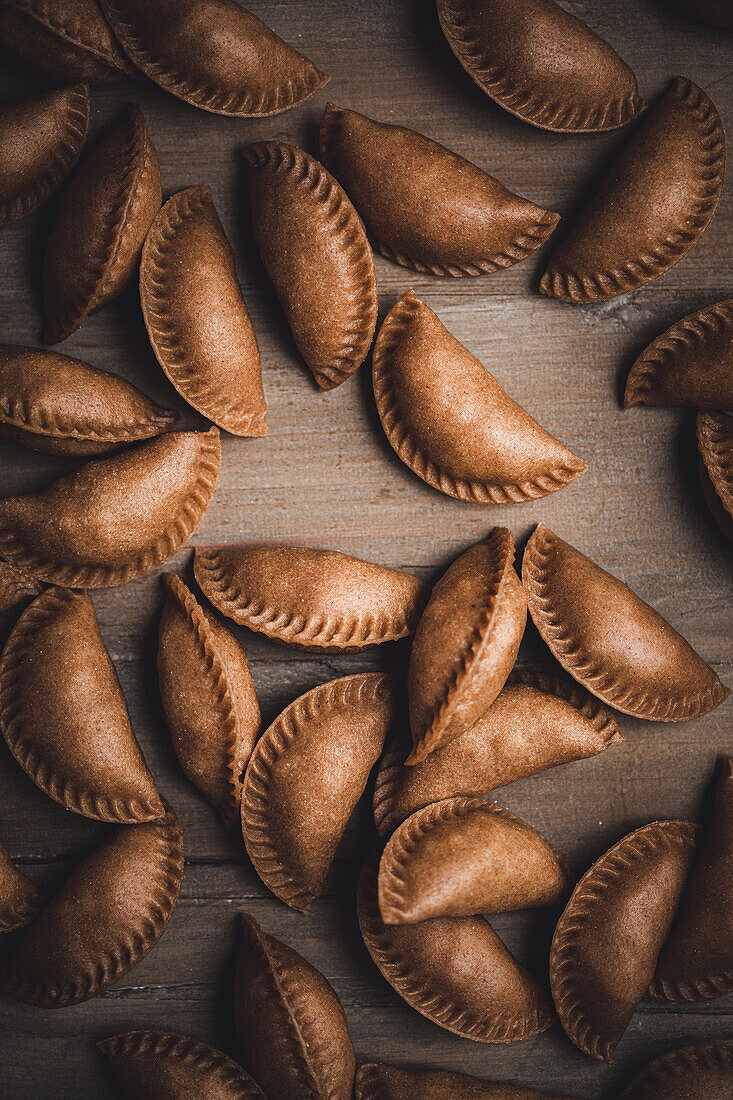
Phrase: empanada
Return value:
(196, 317)
(103, 216)
(305, 777)
(116, 517)
(105, 918)
(609, 640)
(465, 644)
(466, 856)
(61, 406)
(450, 421)
(654, 205)
(317, 255)
(40, 141)
(208, 698)
(424, 206)
(536, 722)
(542, 63)
(214, 54)
(290, 1022)
(607, 941)
(318, 600)
(64, 717)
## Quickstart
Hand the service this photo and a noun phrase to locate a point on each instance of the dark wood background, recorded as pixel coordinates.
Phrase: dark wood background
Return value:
(326, 477)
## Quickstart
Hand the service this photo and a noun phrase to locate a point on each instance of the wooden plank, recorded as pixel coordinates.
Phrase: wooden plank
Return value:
(326, 476)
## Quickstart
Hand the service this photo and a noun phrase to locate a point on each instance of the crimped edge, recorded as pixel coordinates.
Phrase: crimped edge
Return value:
(133, 945)
(684, 1062)
(320, 189)
(517, 250)
(300, 1048)
(715, 443)
(222, 696)
(691, 335)
(16, 585)
(415, 457)
(584, 669)
(394, 863)
(165, 546)
(199, 1057)
(38, 190)
(65, 318)
(363, 688)
(53, 782)
(465, 41)
(393, 759)
(24, 903)
(18, 412)
(212, 97)
(679, 989)
(321, 631)
(500, 545)
(563, 956)
(39, 11)
(570, 286)
(429, 1003)
(225, 410)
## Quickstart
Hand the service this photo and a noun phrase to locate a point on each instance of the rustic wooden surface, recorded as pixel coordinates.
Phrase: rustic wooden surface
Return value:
(326, 477)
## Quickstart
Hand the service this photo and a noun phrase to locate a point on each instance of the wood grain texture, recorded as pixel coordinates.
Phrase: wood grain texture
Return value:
(326, 476)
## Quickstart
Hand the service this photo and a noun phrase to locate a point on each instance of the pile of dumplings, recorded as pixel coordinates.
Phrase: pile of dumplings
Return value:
(653, 915)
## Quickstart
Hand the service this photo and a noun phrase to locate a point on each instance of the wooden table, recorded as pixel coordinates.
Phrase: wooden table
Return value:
(327, 477)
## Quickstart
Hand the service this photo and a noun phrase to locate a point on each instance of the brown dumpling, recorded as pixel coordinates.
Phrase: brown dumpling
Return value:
(715, 444)
(609, 640)
(378, 1081)
(607, 941)
(62, 406)
(214, 54)
(541, 63)
(40, 141)
(67, 40)
(290, 1022)
(466, 856)
(103, 217)
(208, 697)
(318, 600)
(105, 918)
(701, 1072)
(305, 777)
(691, 364)
(696, 962)
(196, 317)
(317, 256)
(536, 722)
(426, 207)
(654, 205)
(64, 716)
(19, 898)
(116, 517)
(465, 644)
(156, 1065)
(449, 420)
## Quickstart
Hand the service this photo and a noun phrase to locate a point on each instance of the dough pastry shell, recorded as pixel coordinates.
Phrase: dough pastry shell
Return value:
(466, 643)
(609, 640)
(290, 1022)
(305, 777)
(426, 207)
(116, 517)
(450, 421)
(40, 141)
